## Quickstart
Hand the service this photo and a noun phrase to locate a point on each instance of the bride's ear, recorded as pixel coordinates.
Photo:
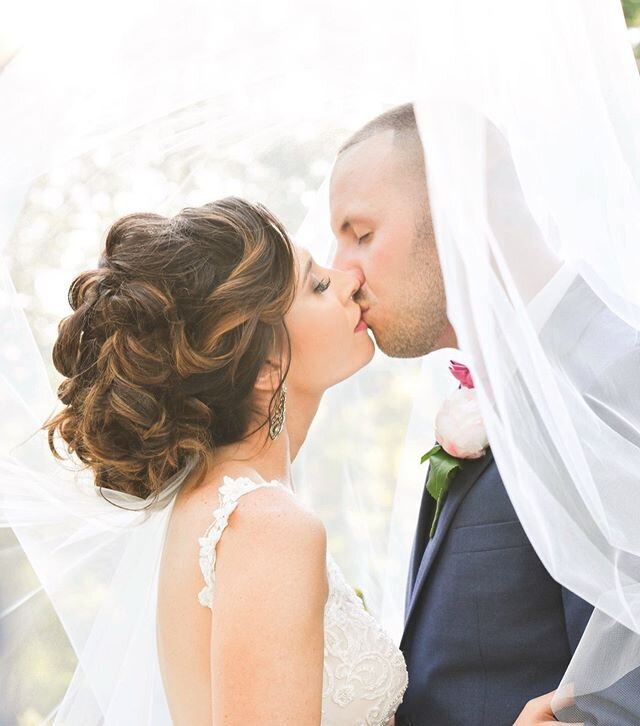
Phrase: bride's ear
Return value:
(269, 377)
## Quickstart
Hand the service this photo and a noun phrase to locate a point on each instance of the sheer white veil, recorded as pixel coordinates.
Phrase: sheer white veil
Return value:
(536, 104)
(531, 130)
(156, 107)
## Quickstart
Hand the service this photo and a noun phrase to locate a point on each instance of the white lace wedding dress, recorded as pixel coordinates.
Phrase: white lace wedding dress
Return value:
(364, 673)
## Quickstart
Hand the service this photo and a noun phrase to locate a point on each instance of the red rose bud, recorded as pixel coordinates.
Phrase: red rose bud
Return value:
(461, 373)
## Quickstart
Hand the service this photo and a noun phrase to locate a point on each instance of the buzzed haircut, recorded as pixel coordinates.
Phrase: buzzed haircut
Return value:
(400, 119)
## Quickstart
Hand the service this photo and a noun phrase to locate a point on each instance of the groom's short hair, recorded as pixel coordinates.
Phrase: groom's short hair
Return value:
(400, 119)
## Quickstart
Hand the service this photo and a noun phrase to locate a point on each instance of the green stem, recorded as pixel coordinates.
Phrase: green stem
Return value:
(436, 514)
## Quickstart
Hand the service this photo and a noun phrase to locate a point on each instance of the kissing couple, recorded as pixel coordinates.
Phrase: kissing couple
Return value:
(197, 353)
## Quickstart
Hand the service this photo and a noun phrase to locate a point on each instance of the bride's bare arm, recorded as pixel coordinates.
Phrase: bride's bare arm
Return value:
(267, 637)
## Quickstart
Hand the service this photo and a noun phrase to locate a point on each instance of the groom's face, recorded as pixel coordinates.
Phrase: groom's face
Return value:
(380, 216)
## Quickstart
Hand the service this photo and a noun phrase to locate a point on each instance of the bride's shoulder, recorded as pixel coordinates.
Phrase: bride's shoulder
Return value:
(259, 516)
(273, 519)
(272, 538)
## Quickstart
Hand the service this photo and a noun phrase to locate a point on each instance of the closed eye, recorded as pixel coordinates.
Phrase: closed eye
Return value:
(364, 237)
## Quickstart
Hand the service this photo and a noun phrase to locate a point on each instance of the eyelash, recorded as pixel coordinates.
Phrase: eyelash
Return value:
(364, 237)
(322, 286)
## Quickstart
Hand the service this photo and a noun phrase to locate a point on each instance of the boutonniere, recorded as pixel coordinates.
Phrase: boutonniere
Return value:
(460, 434)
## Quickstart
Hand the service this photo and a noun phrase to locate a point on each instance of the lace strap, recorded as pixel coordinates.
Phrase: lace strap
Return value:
(229, 493)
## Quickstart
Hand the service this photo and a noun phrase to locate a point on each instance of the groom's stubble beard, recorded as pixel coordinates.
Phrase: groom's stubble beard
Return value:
(418, 314)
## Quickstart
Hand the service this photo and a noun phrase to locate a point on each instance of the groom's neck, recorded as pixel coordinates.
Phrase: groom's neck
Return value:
(447, 338)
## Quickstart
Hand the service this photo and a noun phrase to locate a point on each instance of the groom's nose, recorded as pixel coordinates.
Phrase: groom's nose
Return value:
(353, 280)
(357, 281)
(347, 261)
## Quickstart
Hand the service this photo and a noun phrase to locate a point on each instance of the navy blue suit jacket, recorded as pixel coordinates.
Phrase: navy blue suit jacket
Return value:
(487, 628)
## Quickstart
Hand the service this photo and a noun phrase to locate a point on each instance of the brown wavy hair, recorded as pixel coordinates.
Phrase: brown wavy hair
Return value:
(166, 340)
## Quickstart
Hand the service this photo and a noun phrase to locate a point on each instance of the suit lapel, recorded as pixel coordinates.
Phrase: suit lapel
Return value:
(427, 507)
(460, 486)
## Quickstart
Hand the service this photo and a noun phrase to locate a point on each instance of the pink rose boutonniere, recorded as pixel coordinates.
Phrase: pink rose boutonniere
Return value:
(460, 434)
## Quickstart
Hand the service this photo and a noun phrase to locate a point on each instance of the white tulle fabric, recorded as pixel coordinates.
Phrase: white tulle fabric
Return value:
(365, 676)
(555, 86)
(532, 148)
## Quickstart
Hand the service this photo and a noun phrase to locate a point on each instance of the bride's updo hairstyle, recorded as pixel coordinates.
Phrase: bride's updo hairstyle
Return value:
(167, 338)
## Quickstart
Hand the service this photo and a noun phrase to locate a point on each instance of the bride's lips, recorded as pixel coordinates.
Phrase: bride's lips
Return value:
(362, 324)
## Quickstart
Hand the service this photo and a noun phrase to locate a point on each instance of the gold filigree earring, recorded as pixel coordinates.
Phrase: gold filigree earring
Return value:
(276, 421)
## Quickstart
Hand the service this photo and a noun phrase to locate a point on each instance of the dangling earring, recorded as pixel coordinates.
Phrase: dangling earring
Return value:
(276, 422)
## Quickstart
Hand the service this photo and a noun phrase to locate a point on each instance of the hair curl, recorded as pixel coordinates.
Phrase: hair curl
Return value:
(166, 339)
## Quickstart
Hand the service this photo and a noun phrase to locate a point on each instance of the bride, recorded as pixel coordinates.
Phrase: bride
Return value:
(201, 346)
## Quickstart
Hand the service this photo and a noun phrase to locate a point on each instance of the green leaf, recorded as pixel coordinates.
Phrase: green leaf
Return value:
(443, 467)
(436, 516)
(430, 453)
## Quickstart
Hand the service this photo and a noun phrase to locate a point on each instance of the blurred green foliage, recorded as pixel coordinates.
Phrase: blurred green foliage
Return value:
(631, 12)
(632, 16)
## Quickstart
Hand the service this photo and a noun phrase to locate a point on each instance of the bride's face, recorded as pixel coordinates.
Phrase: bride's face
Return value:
(329, 339)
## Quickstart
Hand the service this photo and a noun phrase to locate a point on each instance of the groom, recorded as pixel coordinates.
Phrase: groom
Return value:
(486, 627)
